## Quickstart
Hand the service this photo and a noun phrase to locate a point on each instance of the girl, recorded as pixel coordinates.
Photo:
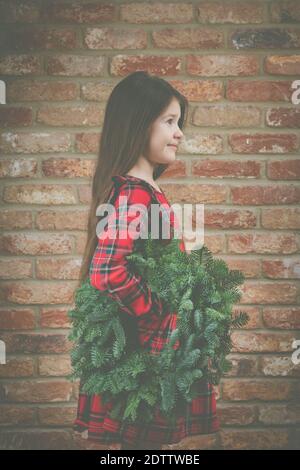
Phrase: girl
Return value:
(141, 133)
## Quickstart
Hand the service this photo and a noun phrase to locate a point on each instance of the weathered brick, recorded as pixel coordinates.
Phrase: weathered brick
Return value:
(18, 168)
(200, 90)
(17, 319)
(16, 116)
(37, 440)
(35, 90)
(238, 12)
(14, 268)
(36, 243)
(37, 38)
(283, 117)
(14, 219)
(269, 293)
(263, 143)
(54, 365)
(76, 115)
(249, 267)
(282, 64)
(258, 439)
(252, 312)
(122, 65)
(21, 64)
(16, 415)
(242, 365)
(279, 414)
(226, 168)
(191, 38)
(37, 343)
(40, 194)
(266, 389)
(17, 368)
(237, 415)
(195, 193)
(202, 144)
(264, 38)
(77, 13)
(281, 218)
(261, 342)
(57, 415)
(38, 142)
(279, 366)
(32, 292)
(222, 65)
(87, 142)
(156, 12)
(259, 90)
(284, 169)
(58, 268)
(274, 243)
(260, 195)
(176, 170)
(287, 11)
(75, 65)
(91, 91)
(54, 317)
(61, 220)
(230, 219)
(226, 116)
(37, 391)
(283, 317)
(84, 193)
(115, 38)
(286, 268)
(68, 167)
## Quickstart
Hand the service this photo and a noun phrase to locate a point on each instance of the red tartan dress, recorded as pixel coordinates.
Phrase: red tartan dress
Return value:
(109, 273)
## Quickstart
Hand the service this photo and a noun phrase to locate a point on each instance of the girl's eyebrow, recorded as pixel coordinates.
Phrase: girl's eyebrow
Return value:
(173, 115)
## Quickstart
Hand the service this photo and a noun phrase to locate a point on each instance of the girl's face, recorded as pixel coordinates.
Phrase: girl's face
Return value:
(165, 133)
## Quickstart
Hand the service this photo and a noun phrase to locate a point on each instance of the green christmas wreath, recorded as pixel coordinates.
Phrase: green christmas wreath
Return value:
(108, 358)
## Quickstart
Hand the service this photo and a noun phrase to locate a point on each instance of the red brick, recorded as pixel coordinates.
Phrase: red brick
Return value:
(283, 117)
(230, 415)
(37, 38)
(37, 343)
(204, 144)
(281, 268)
(199, 90)
(269, 293)
(76, 115)
(263, 243)
(258, 439)
(36, 243)
(15, 116)
(54, 365)
(238, 12)
(263, 143)
(87, 142)
(287, 11)
(230, 219)
(61, 220)
(58, 268)
(35, 90)
(195, 193)
(21, 64)
(16, 415)
(14, 268)
(279, 366)
(77, 13)
(279, 414)
(266, 389)
(38, 391)
(283, 317)
(176, 170)
(57, 415)
(242, 365)
(226, 168)
(17, 319)
(190, 38)
(122, 65)
(281, 218)
(282, 64)
(54, 317)
(249, 267)
(156, 12)
(68, 167)
(259, 90)
(264, 38)
(32, 292)
(248, 342)
(13, 219)
(17, 368)
(260, 195)
(222, 65)
(283, 169)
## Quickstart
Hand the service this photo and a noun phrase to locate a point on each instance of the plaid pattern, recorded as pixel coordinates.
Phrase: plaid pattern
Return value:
(109, 273)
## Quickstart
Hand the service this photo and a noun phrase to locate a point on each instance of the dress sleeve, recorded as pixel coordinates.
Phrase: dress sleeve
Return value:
(109, 270)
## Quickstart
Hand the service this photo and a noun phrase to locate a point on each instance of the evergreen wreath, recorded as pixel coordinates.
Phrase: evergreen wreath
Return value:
(107, 356)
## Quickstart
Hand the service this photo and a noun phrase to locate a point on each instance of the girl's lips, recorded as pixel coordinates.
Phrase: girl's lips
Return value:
(174, 146)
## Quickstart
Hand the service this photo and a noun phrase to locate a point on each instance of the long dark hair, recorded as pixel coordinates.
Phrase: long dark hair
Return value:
(133, 105)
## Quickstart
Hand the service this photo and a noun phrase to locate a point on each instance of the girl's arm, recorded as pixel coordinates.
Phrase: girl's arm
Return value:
(109, 268)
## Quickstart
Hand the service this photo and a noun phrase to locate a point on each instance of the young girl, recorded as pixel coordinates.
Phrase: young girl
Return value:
(141, 133)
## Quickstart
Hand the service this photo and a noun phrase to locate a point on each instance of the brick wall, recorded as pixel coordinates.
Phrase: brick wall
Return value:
(235, 61)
